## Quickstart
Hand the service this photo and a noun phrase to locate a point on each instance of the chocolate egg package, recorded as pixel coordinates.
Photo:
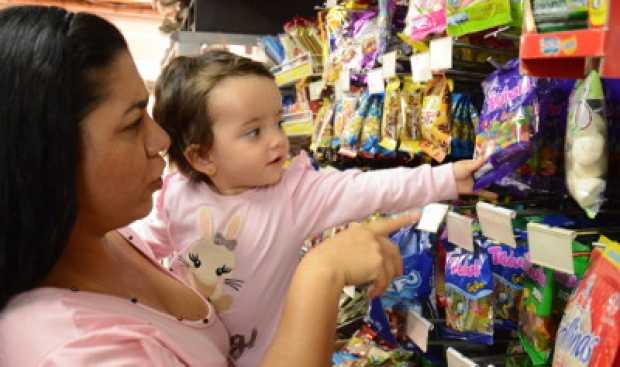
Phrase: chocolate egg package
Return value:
(465, 118)
(391, 113)
(410, 292)
(469, 296)
(323, 127)
(411, 98)
(586, 145)
(344, 111)
(509, 119)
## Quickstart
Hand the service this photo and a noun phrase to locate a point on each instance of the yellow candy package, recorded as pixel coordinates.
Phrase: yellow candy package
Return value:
(435, 120)
(411, 98)
(391, 113)
(323, 129)
(349, 139)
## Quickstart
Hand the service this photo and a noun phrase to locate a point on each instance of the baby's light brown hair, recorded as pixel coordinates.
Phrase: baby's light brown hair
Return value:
(182, 100)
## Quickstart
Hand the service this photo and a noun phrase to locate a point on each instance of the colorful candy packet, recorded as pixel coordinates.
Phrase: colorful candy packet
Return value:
(589, 333)
(465, 118)
(409, 292)
(470, 16)
(508, 266)
(537, 325)
(566, 283)
(425, 17)
(508, 121)
(411, 98)
(391, 112)
(435, 120)
(353, 127)
(586, 145)
(371, 131)
(323, 130)
(469, 295)
(344, 110)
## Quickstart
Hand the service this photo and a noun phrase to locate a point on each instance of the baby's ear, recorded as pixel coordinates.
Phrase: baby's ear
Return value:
(205, 223)
(233, 228)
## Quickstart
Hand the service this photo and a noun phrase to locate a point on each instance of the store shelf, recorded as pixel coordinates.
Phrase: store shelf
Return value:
(569, 54)
(298, 128)
(299, 69)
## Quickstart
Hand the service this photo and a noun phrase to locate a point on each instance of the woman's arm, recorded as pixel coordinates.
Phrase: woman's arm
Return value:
(360, 255)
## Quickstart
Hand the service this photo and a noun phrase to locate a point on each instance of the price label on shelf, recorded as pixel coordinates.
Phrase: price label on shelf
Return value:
(421, 67)
(376, 83)
(315, 89)
(456, 359)
(389, 65)
(432, 217)
(496, 223)
(418, 329)
(551, 247)
(441, 53)
(460, 231)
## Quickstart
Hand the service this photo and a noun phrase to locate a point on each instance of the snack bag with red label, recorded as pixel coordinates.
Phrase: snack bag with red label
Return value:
(589, 334)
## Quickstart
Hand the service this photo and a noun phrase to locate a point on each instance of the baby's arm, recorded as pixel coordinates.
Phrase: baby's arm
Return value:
(154, 231)
(323, 199)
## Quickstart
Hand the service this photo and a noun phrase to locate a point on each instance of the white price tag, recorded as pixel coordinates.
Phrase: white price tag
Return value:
(349, 291)
(441, 53)
(376, 83)
(432, 217)
(421, 67)
(417, 329)
(344, 81)
(496, 223)
(551, 247)
(315, 90)
(331, 3)
(456, 359)
(460, 231)
(389, 65)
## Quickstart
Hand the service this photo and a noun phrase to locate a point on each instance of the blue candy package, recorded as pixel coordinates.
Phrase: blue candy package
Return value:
(469, 296)
(409, 292)
(508, 266)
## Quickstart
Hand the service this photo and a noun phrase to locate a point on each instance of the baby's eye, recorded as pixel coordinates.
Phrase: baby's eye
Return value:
(253, 133)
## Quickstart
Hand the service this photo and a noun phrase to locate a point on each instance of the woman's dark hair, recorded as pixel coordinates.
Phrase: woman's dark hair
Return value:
(181, 100)
(48, 83)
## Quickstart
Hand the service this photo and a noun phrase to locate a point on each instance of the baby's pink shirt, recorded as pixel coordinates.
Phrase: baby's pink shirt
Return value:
(275, 221)
(53, 327)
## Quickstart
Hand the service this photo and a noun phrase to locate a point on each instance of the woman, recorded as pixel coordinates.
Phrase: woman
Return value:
(80, 158)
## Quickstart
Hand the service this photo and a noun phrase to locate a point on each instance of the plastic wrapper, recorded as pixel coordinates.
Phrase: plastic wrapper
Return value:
(566, 283)
(598, 12)
(391, 112)
(323, 127)
(589, 334)
(465, 118)
(509, 119)
(435, 120)
(469, 295)
(560, 10)
(425, 17)
(470, 16)
(273, 49)
(344, 111)
(508, 265)
(411, 98)
(586, 145)
(371, 131)
(349, 140)
(409, 292)
(537, 326)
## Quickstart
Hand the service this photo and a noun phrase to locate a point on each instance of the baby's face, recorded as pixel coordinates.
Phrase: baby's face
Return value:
(249, 145)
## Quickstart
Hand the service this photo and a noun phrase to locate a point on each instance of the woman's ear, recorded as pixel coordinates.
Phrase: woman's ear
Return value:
(199, 160)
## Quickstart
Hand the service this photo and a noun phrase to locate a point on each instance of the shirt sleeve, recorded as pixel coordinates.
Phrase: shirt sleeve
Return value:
(113, 347)
(323, 199)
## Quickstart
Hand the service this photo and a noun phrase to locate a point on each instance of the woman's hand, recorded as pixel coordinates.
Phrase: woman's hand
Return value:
(362, 254)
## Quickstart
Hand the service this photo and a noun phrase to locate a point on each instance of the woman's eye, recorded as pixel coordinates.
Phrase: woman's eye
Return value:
(135, 124)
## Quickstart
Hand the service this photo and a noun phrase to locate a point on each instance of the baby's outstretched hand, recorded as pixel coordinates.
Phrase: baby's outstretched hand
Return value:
(464, 174)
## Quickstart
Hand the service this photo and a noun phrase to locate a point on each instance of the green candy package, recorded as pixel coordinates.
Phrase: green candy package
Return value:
(537, 325)
(470, 16)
